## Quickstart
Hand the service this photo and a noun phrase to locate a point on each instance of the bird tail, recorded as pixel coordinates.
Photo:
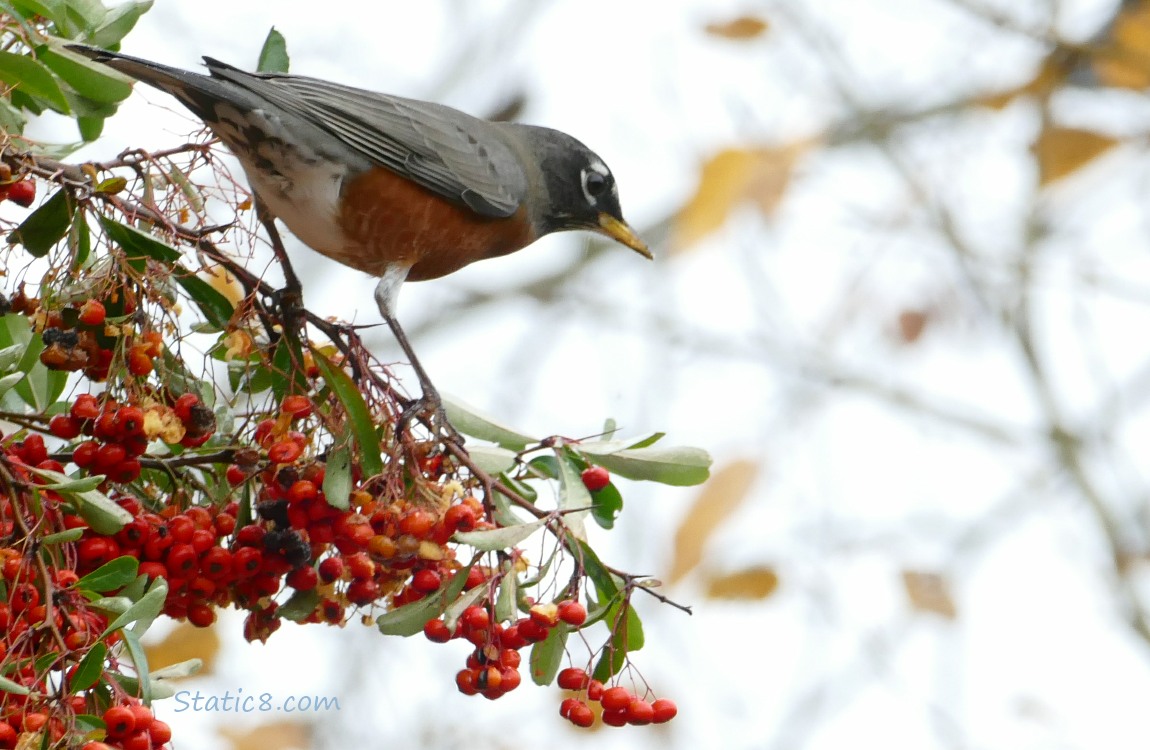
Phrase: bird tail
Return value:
(199, 93)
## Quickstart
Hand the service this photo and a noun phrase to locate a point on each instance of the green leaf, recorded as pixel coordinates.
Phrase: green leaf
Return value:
(90, 127)
(648, 441)
(12, 120)
(8, 382)
(80, 243)
(45, 226)
(491, 458)
(84, 15)
(524, 490)
(410, 618)
(217, 308)
(143, 611)
(547, 655)
(111, 575)
(508, 597)
(91, 80)
(471, 422)
(491, 540)
(626, 637)
(606, 506)
(118, 22)
(179, 670)
(678, 466)
(140, 661)
(53, 10)
(337, 477)
(573, 495)
(139, 244)
(100, 511)
(33, 78)
(90, 668)
(274, 56)
(8, 686)
(62, 537)
(362, 427)
(300, 606)
(605, 582)
(65, 484)
(10, 356)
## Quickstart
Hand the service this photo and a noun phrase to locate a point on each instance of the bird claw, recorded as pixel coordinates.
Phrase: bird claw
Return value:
(429, 404)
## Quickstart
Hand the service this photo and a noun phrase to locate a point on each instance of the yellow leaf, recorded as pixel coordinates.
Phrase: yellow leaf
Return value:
(282, 735)
(224, 283)
(1062, 151)
(720, 498)
(185, 642)
(741, 28)
(731, 178)
(752, 583)
(929, 592)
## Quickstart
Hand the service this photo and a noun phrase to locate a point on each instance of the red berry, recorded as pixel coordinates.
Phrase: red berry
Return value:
(426, 581)
(138, 740)
(663, 710)
(615, 718)
(22, 193)
(581, 715)
(360, 566)
(475, 618)
(92, 313)
(130, 421)
(215, 562)
(616, 699)
(572, 612)
(302, 490)
(436, 631)
(23, 597)
(96, 551)
(235, 475)
(183, 406)
(594, 690)
(285, 452)
(109, 455)
(65, 427)
(510, 658)
(85, 407)
(465, 681)
(140, 361)
(573, 678)
(120, 721)
(639, 712)
(363, 591)
(331, 569)
(201, 615)
(460, 518)
(303, 579)
(8, 735)
(85, 453)
(160, 732)
(297, 406)
(510, 679)
(181, 560)
(596, 478)
(567, 706)
(418, 523)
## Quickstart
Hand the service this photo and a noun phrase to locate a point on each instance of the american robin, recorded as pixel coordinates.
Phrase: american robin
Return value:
(404, 190)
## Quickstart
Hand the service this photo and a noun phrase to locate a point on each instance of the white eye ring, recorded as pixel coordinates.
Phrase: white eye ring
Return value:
(595, 184)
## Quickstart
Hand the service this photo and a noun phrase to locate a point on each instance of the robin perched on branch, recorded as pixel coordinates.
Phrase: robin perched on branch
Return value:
(404, 190)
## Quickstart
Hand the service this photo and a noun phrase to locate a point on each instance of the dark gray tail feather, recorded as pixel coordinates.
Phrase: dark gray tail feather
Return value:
(197, 92)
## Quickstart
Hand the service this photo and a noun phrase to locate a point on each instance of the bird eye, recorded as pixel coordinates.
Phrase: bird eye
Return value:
(594, 184)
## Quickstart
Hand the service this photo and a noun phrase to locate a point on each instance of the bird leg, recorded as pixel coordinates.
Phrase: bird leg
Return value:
(430, 400)
(290, 298)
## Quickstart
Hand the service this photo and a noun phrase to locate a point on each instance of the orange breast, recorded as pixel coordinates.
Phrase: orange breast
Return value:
(390, 219)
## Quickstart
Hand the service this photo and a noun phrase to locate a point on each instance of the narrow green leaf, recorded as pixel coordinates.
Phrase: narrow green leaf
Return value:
(337, 477)
(648, 441)
(524, 490)
(8, 382)
(626, 637)
(45, 226)
(33, 78)
(90, 79)
(117, 605)
(547, 655)
(217, 309)
(100, 511)
(140, 661)
(119, 21)
(111, 575)
(65, 484)
(573, 494)
(90, 127)
(362, 427)
(491, 458)
(53, 10)
(470, 421)
(410, 618)
(12, 120)
(606, 584)
(454, 611)
(61, 537)
(273, 55)
(139, 244)
(300, 606)
(678, 466)
(8, 686)
(179, 670)
(84, 15)
(507, 599)
(90, 668)
(491, 540)
(80, 242)
(143, 611)
(606, 506)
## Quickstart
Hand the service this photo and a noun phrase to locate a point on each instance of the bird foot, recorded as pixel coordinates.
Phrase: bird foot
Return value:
(429, 405)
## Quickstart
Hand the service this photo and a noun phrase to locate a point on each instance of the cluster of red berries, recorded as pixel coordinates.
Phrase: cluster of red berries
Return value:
(492, 667)
(131, 726)
(620, 705)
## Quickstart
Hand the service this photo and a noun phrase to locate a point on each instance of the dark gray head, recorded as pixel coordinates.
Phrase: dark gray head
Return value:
(580, 189)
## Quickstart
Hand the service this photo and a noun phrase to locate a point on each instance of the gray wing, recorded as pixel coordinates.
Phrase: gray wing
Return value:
(452, 154)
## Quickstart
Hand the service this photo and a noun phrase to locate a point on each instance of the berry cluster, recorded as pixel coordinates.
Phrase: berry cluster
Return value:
(619, 705)
(131, 726)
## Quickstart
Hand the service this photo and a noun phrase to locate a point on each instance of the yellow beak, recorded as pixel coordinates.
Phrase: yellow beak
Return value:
(620, 232)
